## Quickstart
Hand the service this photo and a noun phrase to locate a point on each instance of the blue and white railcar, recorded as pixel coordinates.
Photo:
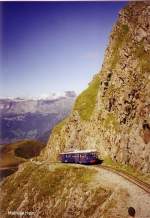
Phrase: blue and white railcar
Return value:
(80, 156)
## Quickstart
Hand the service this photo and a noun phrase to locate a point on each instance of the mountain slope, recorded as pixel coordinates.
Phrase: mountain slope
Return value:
(112, 115)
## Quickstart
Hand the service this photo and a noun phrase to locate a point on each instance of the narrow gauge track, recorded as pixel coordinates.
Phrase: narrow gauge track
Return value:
(8, 168)
(133, 179)
(144, 186)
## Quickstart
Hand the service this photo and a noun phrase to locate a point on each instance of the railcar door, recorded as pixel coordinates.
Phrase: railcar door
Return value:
(76, 158)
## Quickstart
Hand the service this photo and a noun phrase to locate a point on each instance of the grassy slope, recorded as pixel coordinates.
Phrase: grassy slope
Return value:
(59, 126)
(84, 104)
(47, 183)
(86, 101)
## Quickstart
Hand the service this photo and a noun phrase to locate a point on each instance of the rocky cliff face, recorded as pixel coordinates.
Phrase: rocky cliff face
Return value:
(113, 113)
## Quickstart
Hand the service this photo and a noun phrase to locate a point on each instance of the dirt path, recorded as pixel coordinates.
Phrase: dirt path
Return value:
(125, 194)
(135, 196)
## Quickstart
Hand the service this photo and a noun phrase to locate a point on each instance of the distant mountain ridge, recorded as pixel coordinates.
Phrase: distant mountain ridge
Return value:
(36, 105)
(32, 118)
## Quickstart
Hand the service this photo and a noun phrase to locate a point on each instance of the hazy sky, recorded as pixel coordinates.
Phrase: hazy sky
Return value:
(53, 46)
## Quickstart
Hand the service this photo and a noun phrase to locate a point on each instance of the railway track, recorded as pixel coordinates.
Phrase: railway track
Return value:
(8, 168)
(144, 186)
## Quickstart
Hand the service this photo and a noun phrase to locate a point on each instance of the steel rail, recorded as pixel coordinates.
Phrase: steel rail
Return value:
(132, 179)
(144, 186)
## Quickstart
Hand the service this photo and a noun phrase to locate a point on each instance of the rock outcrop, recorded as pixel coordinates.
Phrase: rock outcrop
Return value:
(113, 113)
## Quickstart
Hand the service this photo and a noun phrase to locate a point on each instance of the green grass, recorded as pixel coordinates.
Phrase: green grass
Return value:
(121, 167)
(143, 57)
(86, 101)
(59, 126)
(125, 28)
(111, 122)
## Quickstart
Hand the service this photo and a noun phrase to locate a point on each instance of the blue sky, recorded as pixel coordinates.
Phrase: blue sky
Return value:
(53, 46)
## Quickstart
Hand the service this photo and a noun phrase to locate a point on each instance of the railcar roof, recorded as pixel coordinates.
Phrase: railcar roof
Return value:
(79, 151)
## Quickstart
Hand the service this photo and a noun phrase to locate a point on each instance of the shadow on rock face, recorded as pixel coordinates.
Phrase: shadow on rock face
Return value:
(6, 172)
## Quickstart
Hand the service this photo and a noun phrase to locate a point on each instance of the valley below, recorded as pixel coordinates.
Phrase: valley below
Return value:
(12, 155)
(32, 119)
